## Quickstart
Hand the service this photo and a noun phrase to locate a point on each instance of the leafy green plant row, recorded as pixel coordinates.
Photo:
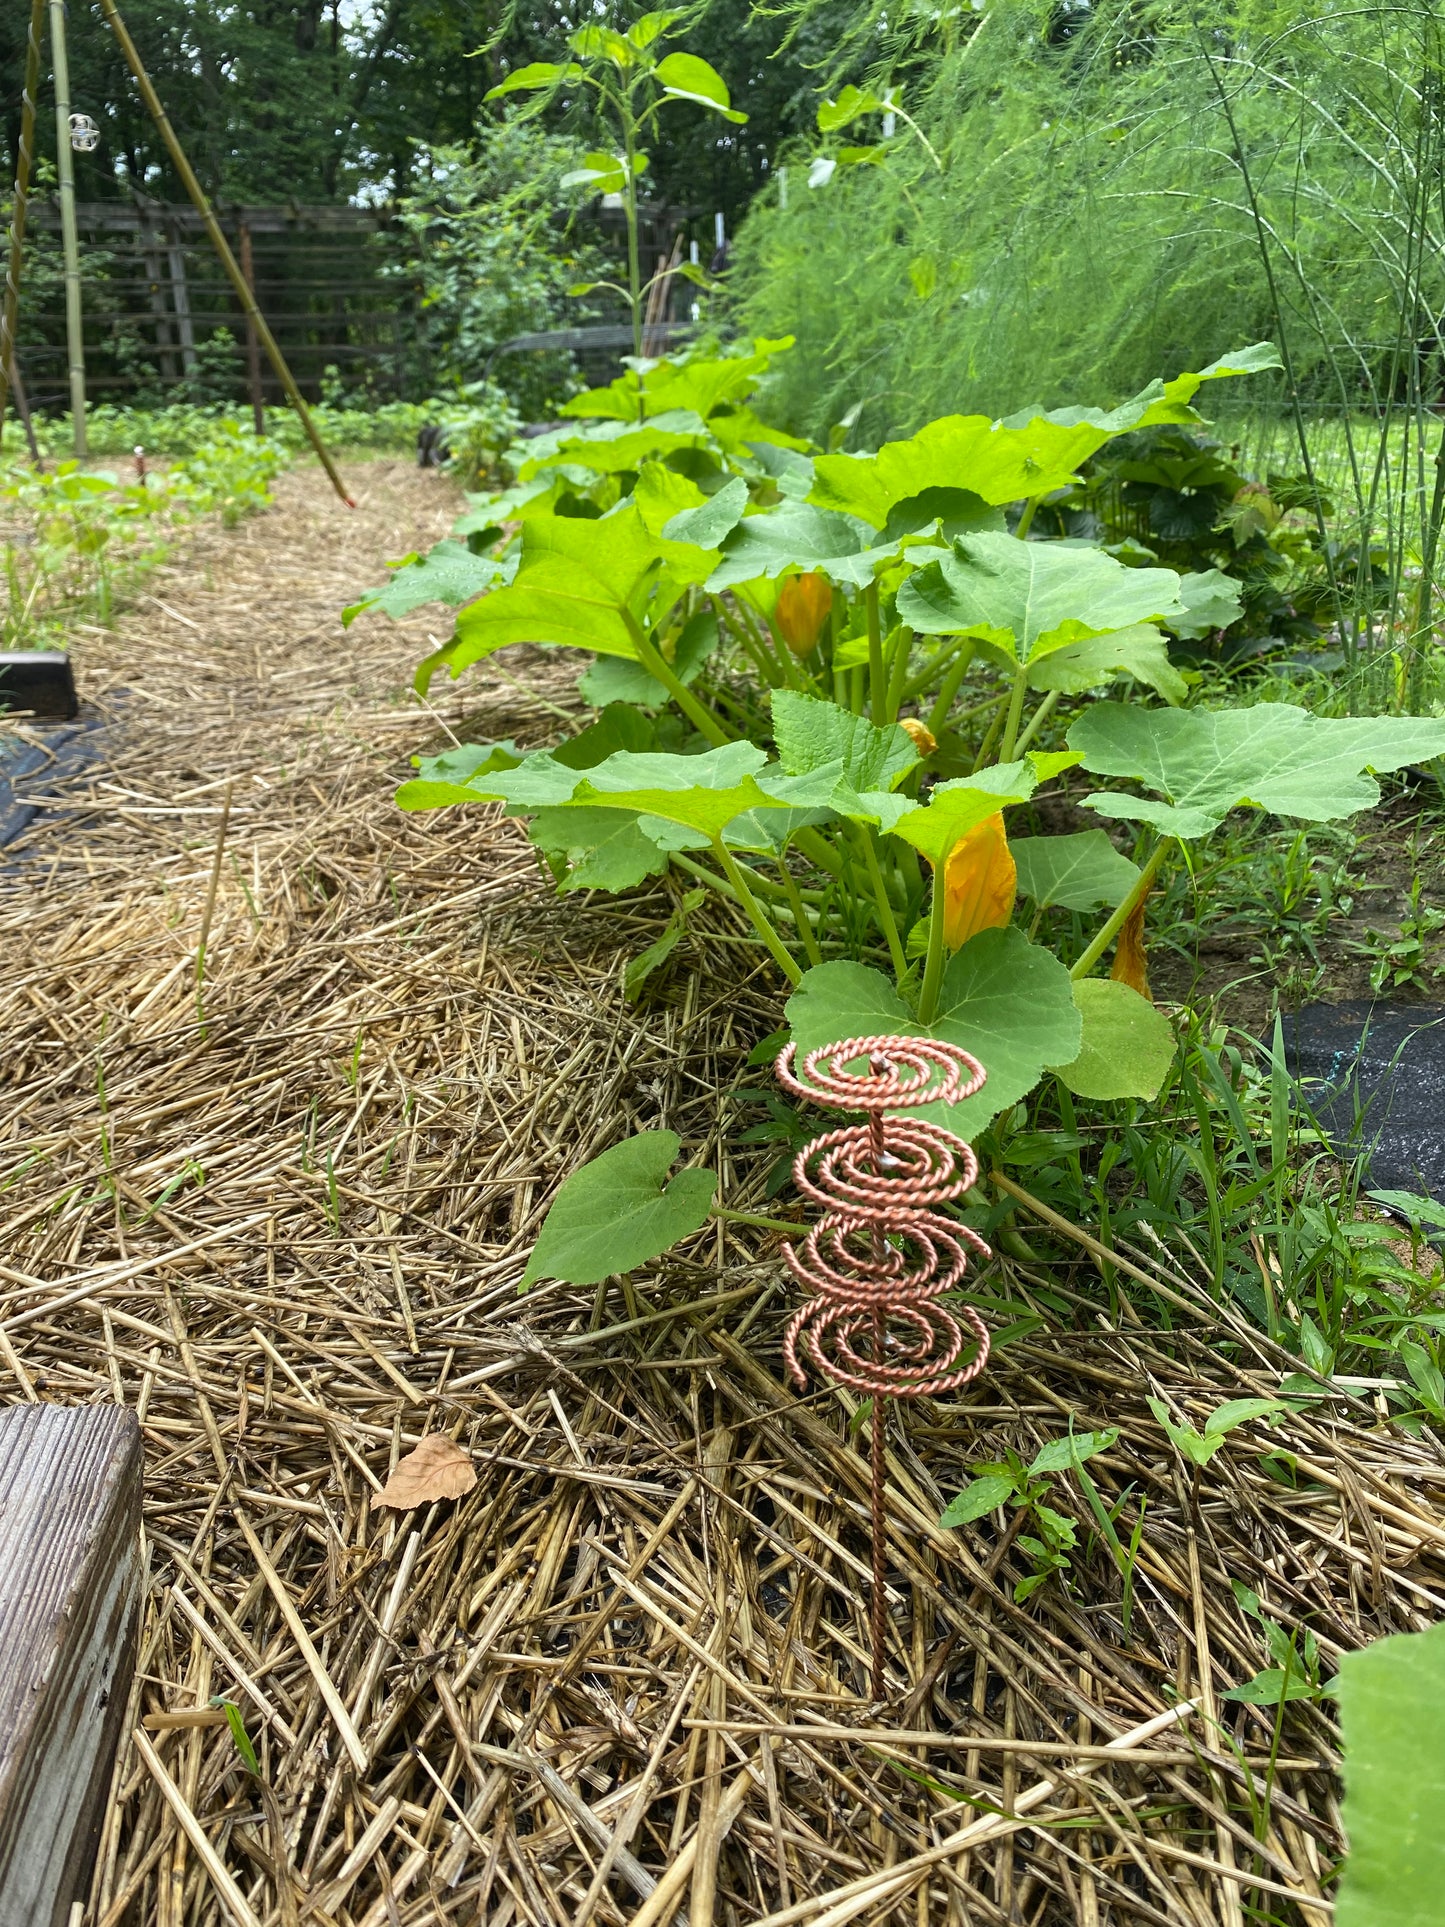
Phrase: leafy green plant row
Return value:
(76, 538)
(826, 684)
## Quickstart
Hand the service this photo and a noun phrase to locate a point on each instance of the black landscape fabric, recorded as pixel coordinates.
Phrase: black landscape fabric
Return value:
(1374, 1076)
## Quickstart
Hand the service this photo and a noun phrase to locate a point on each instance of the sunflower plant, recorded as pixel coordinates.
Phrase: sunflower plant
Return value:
(825, 686)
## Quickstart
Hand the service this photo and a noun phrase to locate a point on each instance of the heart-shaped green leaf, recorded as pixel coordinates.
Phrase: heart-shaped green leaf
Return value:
(618, 1212)
(702, 793)
(1126, 1046)
(1029, 454)
(1003, 999)
(1210, 600)
(811, 733)
(686, 77)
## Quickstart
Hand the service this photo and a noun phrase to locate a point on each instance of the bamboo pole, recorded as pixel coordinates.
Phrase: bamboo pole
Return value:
(219, 242)
(10, 313)
(69, 238)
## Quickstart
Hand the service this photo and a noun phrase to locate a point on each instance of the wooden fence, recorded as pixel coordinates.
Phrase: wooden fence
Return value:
(155, 298)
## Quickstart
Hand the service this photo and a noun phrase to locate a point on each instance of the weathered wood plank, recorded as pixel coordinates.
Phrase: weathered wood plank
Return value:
(70, 1583)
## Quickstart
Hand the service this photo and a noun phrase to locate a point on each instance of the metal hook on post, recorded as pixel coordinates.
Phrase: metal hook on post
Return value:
(218, 240)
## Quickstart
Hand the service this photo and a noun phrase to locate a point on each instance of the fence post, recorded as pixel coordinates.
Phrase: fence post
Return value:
(253, 343)
(9, 353)
(74, 320)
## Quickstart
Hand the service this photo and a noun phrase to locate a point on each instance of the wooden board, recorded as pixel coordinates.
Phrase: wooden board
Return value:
(70, 1585)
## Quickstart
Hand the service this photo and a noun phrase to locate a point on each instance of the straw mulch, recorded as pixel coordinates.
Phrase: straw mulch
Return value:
(625, 1677)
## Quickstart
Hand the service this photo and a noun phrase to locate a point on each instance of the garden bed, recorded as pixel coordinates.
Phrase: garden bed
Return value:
(283, 1214)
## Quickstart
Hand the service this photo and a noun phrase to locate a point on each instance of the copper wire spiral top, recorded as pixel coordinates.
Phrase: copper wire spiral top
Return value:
(881, 1257)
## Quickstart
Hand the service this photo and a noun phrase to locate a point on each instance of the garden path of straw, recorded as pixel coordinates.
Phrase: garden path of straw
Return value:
(624, 1679)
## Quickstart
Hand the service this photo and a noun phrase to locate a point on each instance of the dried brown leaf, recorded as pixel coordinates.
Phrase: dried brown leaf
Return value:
(437, 1469)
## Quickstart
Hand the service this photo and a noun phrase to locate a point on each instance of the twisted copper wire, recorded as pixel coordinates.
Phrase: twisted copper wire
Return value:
(880, 1253)
(881, 1257)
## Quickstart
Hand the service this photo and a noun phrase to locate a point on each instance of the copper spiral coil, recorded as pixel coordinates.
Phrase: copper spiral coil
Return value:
(881, 1256)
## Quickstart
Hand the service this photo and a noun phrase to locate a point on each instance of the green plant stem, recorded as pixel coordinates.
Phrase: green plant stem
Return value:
(877, 693)
(743, 637)
(773, 891)
(915, 685)
(800, 915)
(788, 671)
(652, 661)
(753, 1218)
(1015, 712)
(880, 897)
(1039, 717)
(898, 673)
(933, 968)
(1026, 520)
(760, 921)
(1121, 916)
(819, 852)
(985, 748)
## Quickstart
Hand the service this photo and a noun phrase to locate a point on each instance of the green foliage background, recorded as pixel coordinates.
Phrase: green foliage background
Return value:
(1105, 178)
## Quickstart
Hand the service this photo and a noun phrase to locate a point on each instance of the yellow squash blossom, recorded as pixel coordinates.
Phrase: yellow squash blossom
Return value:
(924, 740)
(980, 883)
(804, 604)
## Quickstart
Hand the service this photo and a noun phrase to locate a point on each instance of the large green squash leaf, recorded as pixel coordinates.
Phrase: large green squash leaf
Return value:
(1392, 1710)
(576, 585)
(811, 733)
(617, 1212)
(797, 535)
(702, 385)
(1004, 999)
(1138, 651)
(1080, 872)
(1030, 453)
(704, 519)
(1030, 597)
(1206, 762)
(602, 849)
(702, 793)
(955, 808)
(1209, 599)
(613, 448)
(1127, 1045)
(449, 778)
(448, 573)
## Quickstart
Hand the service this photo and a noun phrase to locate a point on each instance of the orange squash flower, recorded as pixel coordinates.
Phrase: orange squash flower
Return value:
(980, 883)
(1130, 963)
(924, 740)
(803, 606)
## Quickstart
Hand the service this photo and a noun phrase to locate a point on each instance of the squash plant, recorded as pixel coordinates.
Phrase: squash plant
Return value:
(823, 681)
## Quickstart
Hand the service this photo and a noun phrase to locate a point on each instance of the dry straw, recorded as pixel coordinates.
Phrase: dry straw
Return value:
(624, 1678)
